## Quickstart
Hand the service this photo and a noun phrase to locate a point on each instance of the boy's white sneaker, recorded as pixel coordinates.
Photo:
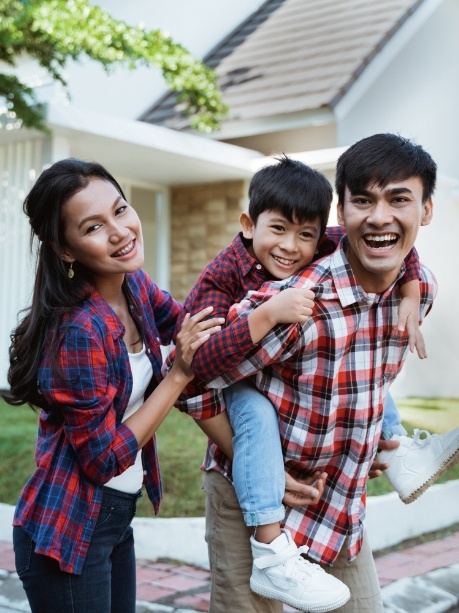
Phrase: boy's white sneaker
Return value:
(280, 572)
(419, 461)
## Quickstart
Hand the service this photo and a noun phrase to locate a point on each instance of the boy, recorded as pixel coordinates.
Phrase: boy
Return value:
(282, 233)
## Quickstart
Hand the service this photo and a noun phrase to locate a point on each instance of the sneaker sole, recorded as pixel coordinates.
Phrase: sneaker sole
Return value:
(417, 487)
(262, 590)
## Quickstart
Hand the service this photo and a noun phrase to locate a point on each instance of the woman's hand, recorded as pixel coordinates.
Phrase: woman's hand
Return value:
(195, 330)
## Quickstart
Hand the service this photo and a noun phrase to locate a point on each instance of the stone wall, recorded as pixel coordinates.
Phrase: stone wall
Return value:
(204, 220)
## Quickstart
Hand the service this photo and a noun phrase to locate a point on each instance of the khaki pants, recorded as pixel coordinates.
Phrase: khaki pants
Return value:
(230, 560)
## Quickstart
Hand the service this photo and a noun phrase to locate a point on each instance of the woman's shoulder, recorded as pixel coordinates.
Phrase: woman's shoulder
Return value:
(90, 316)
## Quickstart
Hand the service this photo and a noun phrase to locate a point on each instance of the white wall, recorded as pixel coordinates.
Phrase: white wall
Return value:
(21, 162)
(198, 25)
(416, 95)
(437, 246)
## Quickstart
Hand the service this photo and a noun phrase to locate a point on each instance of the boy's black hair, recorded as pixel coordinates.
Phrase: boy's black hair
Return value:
(295, 190)
(382, 159)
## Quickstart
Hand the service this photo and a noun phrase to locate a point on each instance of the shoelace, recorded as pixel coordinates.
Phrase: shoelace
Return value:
(417, 437)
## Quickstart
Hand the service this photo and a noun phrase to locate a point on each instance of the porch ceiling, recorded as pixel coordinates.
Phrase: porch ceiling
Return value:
(146, 153)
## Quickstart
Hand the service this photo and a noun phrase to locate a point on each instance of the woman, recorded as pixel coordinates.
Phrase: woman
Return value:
(87, 354)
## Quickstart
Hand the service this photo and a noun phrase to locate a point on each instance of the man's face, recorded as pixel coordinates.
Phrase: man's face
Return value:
(381, 225)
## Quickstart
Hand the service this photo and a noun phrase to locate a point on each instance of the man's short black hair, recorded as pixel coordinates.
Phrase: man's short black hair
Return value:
(382, 159)
(291, 188)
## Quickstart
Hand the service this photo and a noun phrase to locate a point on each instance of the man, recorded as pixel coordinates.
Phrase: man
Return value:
(328, 377)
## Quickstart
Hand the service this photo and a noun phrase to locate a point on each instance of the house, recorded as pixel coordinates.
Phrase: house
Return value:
(302, 77)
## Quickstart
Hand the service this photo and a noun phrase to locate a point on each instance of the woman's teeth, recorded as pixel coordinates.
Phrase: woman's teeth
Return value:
(126, 249)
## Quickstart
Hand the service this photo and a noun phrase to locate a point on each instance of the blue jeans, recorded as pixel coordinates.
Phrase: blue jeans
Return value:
(392, 423)
(258, 463)
(107, 583)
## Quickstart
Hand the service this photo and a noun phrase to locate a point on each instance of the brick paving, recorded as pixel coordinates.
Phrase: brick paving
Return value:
(174, 587)
(418, 560)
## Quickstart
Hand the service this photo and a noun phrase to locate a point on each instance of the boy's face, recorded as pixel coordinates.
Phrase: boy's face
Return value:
(381, 225)
(282, 247)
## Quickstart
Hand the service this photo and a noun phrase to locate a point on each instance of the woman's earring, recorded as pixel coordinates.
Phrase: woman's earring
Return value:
(71, 272)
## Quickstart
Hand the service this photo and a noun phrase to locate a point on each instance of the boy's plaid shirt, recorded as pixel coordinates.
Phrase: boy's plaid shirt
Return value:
(327, 379)
(81, 440)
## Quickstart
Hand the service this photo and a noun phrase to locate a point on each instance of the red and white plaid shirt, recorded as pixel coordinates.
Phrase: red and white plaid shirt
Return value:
(327, 379)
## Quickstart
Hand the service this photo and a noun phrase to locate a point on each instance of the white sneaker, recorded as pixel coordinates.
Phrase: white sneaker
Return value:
(281, 573)
(419, 461)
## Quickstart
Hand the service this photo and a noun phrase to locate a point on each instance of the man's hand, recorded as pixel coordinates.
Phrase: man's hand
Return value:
(377, 468)
(305, 491)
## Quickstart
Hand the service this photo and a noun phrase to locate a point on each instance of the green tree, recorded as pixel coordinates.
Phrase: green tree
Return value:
(56, 31)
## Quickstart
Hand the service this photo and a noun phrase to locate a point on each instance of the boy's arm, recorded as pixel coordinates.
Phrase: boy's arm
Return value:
(408, 313)
(278, 345)
(408, 316)
(233, 342)
(292, 305)
(226, 349)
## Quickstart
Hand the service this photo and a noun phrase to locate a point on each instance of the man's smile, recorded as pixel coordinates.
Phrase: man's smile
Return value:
(381, 241)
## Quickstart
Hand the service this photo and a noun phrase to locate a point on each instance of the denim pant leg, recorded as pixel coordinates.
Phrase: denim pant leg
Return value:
(107, 583)
(258, 463)
(392, 424)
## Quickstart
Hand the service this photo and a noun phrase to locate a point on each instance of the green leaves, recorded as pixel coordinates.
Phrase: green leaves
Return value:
(55, 31)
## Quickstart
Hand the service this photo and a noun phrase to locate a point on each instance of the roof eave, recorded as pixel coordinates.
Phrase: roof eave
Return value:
(276, 123)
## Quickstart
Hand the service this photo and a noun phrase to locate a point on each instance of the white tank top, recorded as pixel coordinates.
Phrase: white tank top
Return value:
(131, 480)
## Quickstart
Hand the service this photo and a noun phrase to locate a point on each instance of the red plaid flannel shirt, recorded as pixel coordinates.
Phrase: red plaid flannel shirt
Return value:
(81, 440)
(328, 380)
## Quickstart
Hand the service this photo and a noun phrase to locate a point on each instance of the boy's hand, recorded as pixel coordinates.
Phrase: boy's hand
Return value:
(292, 305)
(408, 318)
(305, 491)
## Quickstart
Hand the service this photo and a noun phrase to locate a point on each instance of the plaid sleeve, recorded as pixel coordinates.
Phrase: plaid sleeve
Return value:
(329, 241)
(207, 403)
(412, 267)
(429, 288)
(80, 388)
(275, 346)
(228, 347)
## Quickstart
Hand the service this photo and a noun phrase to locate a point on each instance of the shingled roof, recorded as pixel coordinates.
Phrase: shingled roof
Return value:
(293, 56)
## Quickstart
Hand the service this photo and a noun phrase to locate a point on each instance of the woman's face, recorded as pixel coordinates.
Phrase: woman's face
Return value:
(102, 231)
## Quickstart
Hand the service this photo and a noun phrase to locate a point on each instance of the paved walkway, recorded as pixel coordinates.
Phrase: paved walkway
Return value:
(419, 579)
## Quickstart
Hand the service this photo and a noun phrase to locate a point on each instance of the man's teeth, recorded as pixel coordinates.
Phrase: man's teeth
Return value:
(126, 250)
(378, 238)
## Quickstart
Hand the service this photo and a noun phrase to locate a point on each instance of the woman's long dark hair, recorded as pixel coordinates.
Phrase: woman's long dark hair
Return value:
(54, 292)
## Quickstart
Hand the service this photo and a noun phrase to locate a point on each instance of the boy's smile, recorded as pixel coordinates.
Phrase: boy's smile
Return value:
(281, 246)
(381, 226)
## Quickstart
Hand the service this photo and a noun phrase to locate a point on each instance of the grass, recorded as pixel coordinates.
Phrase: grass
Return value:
(181, 449)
